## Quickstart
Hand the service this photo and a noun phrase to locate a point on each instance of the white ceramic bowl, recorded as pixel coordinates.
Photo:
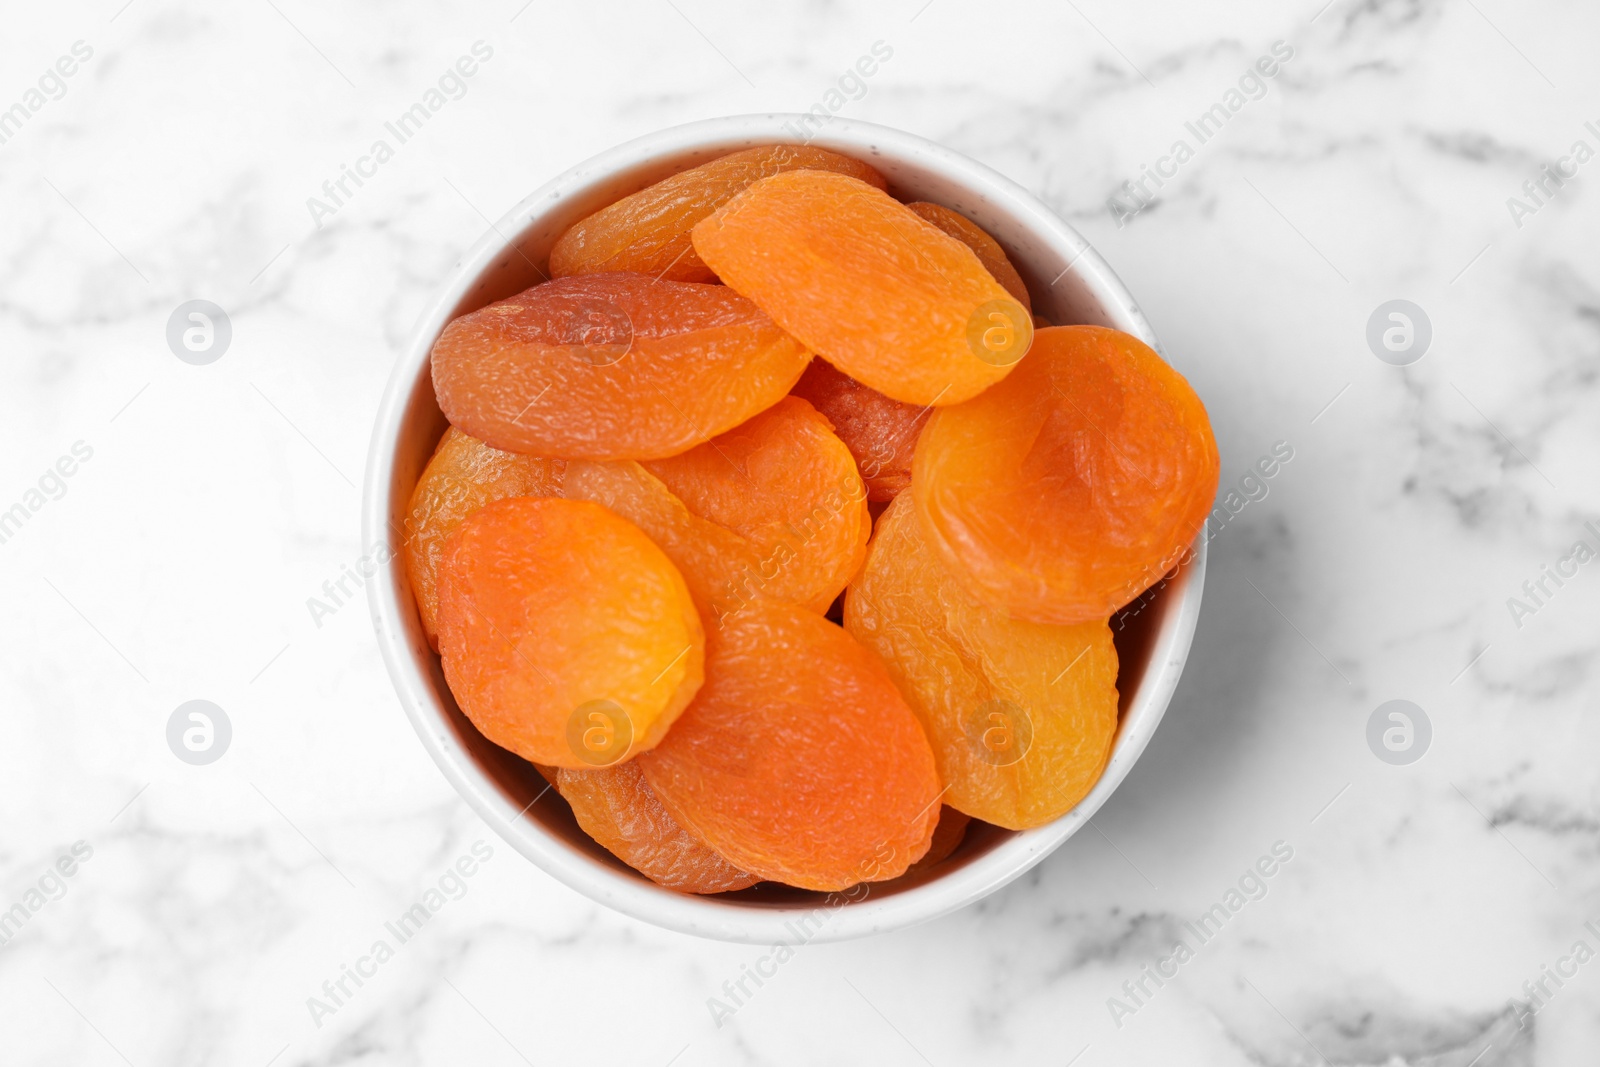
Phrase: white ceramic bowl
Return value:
(1070, 283)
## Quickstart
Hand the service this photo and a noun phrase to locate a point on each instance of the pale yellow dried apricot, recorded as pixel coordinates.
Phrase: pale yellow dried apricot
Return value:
(1021, 715)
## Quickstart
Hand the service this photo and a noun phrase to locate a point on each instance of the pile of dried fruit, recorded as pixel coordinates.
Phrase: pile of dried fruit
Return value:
(662, 475)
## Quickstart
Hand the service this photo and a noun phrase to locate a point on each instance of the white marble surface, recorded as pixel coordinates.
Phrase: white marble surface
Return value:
(178, 562)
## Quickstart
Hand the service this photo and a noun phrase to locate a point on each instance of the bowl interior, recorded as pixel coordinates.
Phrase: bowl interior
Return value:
(1069, 284)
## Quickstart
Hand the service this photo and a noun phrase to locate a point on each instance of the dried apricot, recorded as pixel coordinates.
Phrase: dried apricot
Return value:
(947, 837)
(867, 284)
(1070, 488)
(710, 557)
(799, 761)
(649, 231)
(1021, 715)
(612, 366)
(880, 433)
(566, 635)
(617, 807)
(986, 248)
(463, 475)
(786, 483)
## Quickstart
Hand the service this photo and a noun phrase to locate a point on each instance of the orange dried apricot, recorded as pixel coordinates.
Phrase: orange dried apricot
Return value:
(612, 366)
(1070, 488)
(566, 635)
(710, 557)
(880, 433)
(617, 807)
(947, 837)
(649, 231)
(1021, 715)
(463, 475)
(863, 281)
(799, 761)
(986, 248)
(785, 482)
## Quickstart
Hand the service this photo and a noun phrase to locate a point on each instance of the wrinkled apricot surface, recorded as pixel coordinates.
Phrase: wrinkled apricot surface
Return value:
(1070, 488)
(463, 475)
(1021, 715)
(863, 281)
(880, 433)
(612, 366)
(649, 231)
(785, 482)
(799, 761)
(947, 837)
(617, 807)
(566, 635)
(986, 248)
(711, 558)
(651, 493)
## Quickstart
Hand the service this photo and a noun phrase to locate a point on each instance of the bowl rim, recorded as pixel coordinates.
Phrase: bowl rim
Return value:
(710, 916)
